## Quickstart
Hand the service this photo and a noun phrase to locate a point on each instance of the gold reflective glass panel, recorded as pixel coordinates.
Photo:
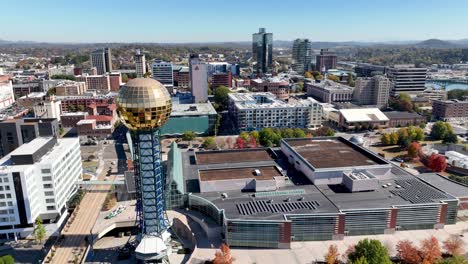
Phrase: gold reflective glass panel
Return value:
(144, 104)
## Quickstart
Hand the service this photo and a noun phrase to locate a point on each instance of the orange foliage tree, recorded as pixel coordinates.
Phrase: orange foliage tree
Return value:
(332, 255)
(413, 149)
(430, 250)
(407, 252)
(437, 162)
(453, 246)
(223, 255)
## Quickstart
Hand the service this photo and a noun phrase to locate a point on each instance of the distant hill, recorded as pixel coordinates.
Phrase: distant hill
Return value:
(436, 44)
(430, 43)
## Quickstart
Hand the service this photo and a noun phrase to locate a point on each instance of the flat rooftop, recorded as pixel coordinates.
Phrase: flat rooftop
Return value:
(332, 153)
(234, 156)
(445, 184)
(31, 147)
(193, 109)
(266, 173)
(304, 200)
(401, 189)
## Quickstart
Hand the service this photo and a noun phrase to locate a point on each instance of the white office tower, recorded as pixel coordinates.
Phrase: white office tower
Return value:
(198, 79)
(162, 72)
(140, 64)
(36, 180)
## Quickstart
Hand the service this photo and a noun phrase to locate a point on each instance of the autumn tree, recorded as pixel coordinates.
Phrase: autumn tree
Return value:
(229, 142)
(240, 143)
(244, 135)
(408, 253)
(453, 245)
(334, 78)
(437, 162)
(209, 143)
(385, 139)
(401, 102)
(252, 142)
(372, 250)
(332, 255)
(348, 251)
(430, 250)
(395, 137)
(254, 134)
(223, 255)
(413, 149)
(308, 75)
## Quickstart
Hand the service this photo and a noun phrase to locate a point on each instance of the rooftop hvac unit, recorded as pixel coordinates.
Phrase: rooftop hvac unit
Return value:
(257, 172)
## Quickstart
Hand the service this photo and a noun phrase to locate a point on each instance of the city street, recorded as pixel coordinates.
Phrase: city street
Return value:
(74, 236)
(74, 243)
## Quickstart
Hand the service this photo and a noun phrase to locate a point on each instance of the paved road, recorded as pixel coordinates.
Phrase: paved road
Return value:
(90, 206)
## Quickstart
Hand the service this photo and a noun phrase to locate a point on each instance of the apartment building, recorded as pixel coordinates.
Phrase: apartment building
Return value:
(251, 111)
(36, 180)
(278, 87)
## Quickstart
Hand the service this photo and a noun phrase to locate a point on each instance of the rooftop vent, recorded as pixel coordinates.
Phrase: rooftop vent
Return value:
(257, 172)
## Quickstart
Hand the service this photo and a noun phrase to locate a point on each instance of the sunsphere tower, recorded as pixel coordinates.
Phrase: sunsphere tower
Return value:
(144, 105)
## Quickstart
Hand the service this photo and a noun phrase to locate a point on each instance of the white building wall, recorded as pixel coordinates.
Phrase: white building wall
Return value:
(6, 95)
(48, 109)
(199, 82)
(46, 185)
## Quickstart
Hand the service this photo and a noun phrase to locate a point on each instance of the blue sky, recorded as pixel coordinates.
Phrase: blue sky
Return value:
(235, 20)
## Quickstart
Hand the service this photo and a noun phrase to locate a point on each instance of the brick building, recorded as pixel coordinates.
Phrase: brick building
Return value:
(403, 119)
(66, 87)
(276, 86)
(450, 110)
(96, 83)
(221, 79)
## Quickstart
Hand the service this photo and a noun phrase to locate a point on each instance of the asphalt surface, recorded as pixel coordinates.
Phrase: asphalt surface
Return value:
(74, 243)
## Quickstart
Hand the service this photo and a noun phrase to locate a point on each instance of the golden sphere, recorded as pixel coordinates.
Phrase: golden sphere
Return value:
(143, 104)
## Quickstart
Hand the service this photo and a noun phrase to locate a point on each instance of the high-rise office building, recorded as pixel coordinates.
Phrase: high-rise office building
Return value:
(325, 61)
(140, 63)
(301, 55)
(262, 51)
(372, 91)
(198, 79)
(162, 72)
(369, 70)
(406, 78)
(101, 59)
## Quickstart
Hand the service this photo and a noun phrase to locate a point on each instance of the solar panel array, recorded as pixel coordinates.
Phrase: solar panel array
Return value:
(415, 191)
(263, 206)
(280, 193)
